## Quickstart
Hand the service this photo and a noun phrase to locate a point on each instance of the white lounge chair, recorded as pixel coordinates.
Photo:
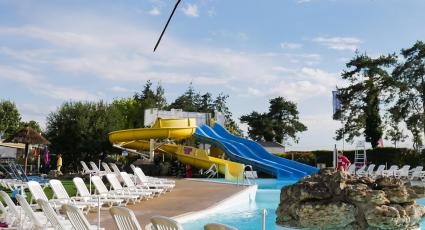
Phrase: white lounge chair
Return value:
(128, 183)
(390, 171)
(77, 218)
(403, 172)
(116, 187)
(370, 169)
(215, 226)
(106, 168)
(96, 169)
(152, 179)
(379, 171)
(56, 221)
(150, 183)
(61, 194)
(37, 193)
(83, 193)
(102, 190)
(162, 222)
(13, 214)
(32, 220)
(361, 170)
(124, 218)
(351, 170)
(417, 173)
(86, 169)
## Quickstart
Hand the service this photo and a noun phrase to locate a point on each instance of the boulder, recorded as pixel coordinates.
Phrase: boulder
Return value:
(335, 200)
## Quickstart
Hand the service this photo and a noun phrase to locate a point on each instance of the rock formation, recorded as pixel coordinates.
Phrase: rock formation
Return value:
(335, 200)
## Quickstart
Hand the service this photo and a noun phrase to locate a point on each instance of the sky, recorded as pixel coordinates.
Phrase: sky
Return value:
(57, 51)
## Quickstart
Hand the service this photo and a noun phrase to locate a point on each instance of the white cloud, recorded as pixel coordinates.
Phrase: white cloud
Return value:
(339, 43)
(119, 89)
(290, 45)
(154, 11)
(191, 10)
(37, 85)
(303, 1)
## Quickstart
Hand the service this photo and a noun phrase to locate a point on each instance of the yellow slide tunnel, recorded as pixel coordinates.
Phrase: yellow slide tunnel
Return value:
(176, 129)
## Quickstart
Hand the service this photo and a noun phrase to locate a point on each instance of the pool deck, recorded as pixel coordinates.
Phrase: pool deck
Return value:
(187, 196)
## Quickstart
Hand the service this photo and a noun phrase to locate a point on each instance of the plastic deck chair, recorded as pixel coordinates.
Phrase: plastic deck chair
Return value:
(61, 194)
(84, 193)
(215, 226)
(96, 169)
(351, 169)
(102, 190)
(36, 222)
(129, 184)
(86, 169)
(379, 171)
(116, 186)
(390, 171)
(154, 184)
(56, 221)
(13, 213)
(77, 218)
(106, 168)
(124, 218)
(162, 222)
(403, 172)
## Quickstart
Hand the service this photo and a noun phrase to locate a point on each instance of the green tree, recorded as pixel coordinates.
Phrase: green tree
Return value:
(147, 99)
(220, 105)
(79, 130)
(32, 124)
(360, 101)
(189, 101)
(409, 79)
(131, 111)
(9, 118)
(280, 124)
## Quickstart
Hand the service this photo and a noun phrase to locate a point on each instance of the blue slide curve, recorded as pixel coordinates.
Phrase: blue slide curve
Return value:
(251, 153)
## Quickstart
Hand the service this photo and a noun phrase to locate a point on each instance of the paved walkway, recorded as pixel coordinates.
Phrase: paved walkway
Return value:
(187, 196)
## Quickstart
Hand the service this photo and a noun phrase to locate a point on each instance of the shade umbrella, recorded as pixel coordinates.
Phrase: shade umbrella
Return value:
(27, 136)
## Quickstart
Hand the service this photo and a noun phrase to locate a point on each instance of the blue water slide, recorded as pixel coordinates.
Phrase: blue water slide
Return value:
(251, 153)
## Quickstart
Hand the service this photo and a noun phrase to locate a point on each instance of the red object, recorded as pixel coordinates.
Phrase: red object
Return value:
(189, 173)
(343, 163)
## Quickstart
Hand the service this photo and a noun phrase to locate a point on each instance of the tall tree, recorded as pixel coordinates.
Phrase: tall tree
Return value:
(220, 105)
(188, 101)
(33, 124)
(410, 82)
(79, 130)
(360, 101)
(9, 118)
(149, 98)
(280, 124)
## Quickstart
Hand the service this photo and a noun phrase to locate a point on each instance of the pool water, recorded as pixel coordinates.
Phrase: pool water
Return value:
(249, 217)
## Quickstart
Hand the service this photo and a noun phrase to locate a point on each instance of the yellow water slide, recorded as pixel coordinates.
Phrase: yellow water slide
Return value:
(177, 129)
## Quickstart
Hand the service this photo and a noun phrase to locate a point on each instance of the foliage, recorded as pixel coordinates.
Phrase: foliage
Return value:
(192, 101)
(409, 77)
(32, 124)
(9, 118)
(131, 111)
(79, 130)
(360, 101)
(280, 124)
(303, 157)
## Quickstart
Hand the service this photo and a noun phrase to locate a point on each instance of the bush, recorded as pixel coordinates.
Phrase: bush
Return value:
(303, 157)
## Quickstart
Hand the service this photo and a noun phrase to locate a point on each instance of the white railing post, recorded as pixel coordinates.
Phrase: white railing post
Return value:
(263, 227)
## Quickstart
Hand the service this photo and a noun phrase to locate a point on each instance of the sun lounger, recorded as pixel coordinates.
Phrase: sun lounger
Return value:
(158, 184)
(77, 218)
(102, 190)
(390, 171)
(417, 173)
(361, 170)
(106, 168)
(84, 194)
(155, 179)
(86, 169)
(13, 213)
(33, 220)
(162, 222)
(116, 187)
(403, 172)
(96, 169)
(55, 220)
(61, 194)
(379, 171)
(124, 219)
(351, 170)
(129, 184)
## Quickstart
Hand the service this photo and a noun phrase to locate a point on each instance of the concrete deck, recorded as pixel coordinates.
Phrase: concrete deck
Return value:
(187, 196)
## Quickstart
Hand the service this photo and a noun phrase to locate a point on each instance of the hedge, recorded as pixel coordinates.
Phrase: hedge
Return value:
(378, 156)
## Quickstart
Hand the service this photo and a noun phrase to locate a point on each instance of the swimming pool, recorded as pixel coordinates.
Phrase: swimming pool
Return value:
(249, 217)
